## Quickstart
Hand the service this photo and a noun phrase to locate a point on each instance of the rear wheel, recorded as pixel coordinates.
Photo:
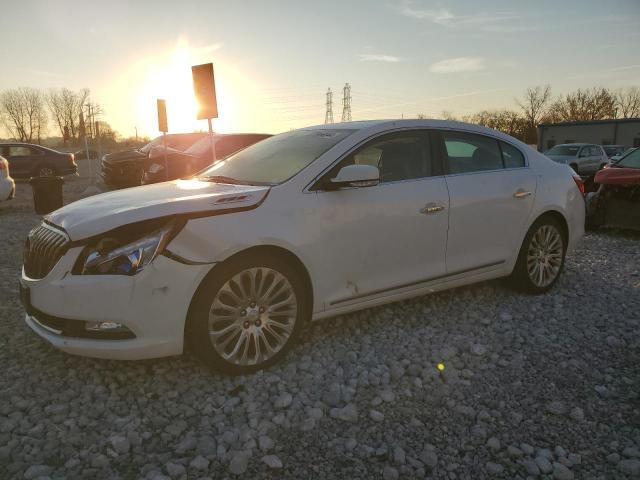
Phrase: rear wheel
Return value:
(248, 314)
(541, 257)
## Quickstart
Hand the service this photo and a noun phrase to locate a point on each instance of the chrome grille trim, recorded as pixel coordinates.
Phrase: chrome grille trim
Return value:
(44, 247)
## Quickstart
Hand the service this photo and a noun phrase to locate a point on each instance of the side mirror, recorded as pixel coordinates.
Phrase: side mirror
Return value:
(355, 176)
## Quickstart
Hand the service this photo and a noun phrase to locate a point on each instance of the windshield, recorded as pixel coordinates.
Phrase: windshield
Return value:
(277, 158)
(613, 149)
(153, 143)
(200, 147)
(563, 150)
(631, 160)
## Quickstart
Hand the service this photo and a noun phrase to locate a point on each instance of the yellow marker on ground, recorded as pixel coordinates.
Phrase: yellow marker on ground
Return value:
(441, 367)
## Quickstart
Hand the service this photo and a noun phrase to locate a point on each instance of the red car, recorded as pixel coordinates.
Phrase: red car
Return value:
(617, 201)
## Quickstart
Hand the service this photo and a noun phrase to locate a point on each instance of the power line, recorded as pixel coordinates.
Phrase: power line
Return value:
(328, 115)
(346, 103)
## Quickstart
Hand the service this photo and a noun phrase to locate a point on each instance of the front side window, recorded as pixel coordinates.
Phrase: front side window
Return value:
(398, 156)
(468, 152)
(276, 158)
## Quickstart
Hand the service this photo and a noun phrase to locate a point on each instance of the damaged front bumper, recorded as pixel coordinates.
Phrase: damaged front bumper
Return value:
(113, 316)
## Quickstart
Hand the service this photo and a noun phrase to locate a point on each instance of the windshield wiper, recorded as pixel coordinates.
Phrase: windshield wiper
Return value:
(223, 179)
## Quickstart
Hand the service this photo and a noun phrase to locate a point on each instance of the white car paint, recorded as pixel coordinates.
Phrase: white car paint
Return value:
(7, 185)
(361, 246)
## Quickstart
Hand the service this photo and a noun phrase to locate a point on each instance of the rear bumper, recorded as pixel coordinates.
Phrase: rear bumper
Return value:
(119, 176)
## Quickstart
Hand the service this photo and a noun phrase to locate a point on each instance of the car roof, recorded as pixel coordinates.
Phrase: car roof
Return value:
(407, 123)
(576, 145)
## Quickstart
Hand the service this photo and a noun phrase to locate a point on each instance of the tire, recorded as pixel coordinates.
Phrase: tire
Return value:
(248, 328)
(45, 171)
(531, 261)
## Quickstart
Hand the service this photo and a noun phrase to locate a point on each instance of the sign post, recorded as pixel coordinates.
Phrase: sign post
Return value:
(164, 128)
(204, 88)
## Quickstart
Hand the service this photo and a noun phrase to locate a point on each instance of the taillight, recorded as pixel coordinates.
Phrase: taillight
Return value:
(579, 183)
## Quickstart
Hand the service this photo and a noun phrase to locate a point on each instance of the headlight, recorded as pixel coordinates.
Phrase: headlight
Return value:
(109, 257)
(155, 168)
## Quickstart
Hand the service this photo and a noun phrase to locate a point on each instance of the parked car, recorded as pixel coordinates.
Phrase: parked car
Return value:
(27, 160)
(7, 185)
(301, 226)
(617, 200)
(126, 168)
(613, 150)
(584, 158)
(197, 156)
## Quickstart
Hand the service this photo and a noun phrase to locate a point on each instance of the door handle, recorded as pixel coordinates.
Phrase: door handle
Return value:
(521, 193)
(431, 208)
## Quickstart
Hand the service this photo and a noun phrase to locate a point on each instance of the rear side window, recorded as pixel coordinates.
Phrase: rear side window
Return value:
(513, 157)
(467, 152)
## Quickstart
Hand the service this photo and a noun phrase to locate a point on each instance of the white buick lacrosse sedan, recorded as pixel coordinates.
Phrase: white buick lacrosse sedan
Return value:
(304, 225)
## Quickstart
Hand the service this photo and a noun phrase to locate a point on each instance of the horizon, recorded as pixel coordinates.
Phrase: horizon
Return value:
(484, 57)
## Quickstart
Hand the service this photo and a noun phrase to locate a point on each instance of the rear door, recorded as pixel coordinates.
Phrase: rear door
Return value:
(491, 193)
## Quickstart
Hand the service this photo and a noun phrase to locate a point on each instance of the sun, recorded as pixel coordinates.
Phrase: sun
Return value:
(168, 76)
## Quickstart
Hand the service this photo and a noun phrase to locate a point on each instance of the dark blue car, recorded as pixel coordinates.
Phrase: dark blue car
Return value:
(27, 160)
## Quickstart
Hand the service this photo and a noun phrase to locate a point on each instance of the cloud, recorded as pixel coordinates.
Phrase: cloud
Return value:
(442, 16)
(377, 57)
(460, 64)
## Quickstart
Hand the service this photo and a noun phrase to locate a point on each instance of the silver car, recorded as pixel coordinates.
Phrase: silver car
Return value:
(584, 158)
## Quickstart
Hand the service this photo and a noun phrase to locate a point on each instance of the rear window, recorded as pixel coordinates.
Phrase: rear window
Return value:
(513, 157)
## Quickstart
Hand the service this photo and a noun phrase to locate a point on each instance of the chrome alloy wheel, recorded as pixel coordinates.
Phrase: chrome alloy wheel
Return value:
(252, 316)
(545, 254)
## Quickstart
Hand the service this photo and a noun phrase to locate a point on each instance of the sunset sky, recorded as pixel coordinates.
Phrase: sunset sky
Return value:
(274, 60)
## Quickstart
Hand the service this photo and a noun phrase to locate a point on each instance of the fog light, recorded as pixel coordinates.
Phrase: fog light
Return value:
(104, 327)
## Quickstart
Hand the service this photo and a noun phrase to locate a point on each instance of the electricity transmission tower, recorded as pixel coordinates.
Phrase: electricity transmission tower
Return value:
(346, 103)
(328, 115)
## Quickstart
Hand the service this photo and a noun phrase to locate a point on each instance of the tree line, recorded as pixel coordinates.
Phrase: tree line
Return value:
(26, 114)
(538, 105)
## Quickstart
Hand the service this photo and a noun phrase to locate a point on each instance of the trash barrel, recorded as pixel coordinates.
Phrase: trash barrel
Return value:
(47, 193)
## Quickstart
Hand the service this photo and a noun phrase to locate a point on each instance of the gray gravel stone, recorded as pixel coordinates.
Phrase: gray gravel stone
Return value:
(494, 468)
(199, 463)
(390, 473)
(556, 408)
(239, 463)
(376, 416)
(630, 467)
(272, 461)
(544, 464)
(561, 472)
(35, 471)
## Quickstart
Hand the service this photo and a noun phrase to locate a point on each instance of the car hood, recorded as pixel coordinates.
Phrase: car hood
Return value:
(123, 156)
(618, 176)
(102, 213)
(561, 158)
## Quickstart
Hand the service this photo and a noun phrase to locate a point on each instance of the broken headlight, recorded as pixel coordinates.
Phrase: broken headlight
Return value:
(109, 256)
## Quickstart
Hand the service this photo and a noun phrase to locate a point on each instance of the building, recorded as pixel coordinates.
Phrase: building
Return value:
(623, 131)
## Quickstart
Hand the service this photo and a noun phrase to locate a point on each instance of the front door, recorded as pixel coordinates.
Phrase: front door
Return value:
(491, 194)
(389, 237)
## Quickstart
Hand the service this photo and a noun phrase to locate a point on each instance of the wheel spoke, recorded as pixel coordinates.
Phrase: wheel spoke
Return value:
(252, 316)
(545, 255)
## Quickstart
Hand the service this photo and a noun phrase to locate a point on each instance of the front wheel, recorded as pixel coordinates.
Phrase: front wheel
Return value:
(541, 257)
(247, 314)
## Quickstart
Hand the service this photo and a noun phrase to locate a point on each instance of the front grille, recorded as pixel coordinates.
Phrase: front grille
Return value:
(43, 248)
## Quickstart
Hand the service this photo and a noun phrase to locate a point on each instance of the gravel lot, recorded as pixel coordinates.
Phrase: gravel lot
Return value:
(534, 387)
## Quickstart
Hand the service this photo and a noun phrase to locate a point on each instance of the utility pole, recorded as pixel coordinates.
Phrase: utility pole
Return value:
(328, 115)
(346, 103)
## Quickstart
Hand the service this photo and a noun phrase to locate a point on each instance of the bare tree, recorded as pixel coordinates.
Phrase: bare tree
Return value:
(23, 113)
(587, 104)
(627, 102)
(506, 121)
(534, 107)
(65, 107)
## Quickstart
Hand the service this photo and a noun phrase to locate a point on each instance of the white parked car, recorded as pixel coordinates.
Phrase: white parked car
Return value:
(7, 185)
(301, 226)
